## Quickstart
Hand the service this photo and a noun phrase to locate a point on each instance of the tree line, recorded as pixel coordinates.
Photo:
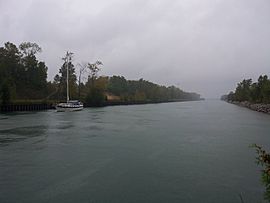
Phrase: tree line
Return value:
(142, 90)
(255, 92)
(23, 77)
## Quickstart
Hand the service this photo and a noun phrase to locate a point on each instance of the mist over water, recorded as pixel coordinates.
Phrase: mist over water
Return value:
(174, 152)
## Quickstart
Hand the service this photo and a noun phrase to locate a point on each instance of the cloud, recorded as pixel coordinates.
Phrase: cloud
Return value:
(203, 46)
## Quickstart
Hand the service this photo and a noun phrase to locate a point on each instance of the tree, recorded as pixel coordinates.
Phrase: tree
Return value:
(231, 96)
(264, 89)
(243, 90)
(82, 71)
(142, 90)
(118, 85)
(263, 159)
(10, 66)
(55, 88)
(29, 49)
(25, 76)
(96, 94)
(94, 69)
(33, 74)
(5, 93)
(257, 92)
(96, 86)
(72, 78)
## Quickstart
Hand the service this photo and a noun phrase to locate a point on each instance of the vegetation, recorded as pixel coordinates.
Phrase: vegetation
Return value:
(24, 78)
(263, 159)
(257, 92)
(142, 90)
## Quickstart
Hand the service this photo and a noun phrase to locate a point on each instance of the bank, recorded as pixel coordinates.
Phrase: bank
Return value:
(27, 105)
(38, 105)
(259, 107)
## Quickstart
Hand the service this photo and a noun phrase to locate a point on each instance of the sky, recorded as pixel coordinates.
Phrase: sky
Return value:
(203, 46)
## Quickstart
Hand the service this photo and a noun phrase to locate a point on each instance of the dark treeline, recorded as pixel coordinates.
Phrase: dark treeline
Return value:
(142, 90)
(23, 78)
(257, 92)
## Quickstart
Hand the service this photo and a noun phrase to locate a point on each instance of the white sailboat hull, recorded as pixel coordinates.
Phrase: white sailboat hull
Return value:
(66, 107)
(61, 109)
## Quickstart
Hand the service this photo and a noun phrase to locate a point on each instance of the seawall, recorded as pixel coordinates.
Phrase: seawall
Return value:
(25, 107)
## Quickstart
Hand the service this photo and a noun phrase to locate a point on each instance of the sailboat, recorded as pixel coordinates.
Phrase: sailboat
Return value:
(70, 105)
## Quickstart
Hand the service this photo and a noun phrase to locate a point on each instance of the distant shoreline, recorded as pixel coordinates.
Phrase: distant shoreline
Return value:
(125, 103)
(41, 106)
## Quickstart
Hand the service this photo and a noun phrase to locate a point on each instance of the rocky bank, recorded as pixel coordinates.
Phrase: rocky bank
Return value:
(264, 108)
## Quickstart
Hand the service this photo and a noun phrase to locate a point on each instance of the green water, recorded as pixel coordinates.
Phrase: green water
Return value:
(175, 152)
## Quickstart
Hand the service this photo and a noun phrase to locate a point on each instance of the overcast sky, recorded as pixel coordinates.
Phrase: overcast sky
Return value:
(206, 46)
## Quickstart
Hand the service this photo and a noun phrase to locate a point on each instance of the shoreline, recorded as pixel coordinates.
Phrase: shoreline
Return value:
(51, 105)
(259, 107)
(126, 103)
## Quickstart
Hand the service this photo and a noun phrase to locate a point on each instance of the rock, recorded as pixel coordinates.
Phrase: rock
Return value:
(264, 108)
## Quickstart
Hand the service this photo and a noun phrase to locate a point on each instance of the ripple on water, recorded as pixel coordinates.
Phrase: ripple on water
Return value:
(64, 126)
(8, 136)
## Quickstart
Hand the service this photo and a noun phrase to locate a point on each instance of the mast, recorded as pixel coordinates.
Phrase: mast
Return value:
(67, 77)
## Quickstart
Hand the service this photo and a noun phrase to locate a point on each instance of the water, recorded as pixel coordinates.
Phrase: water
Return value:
(175, 152)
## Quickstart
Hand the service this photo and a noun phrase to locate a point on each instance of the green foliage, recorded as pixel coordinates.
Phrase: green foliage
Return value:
(95, 97)
(96, 91)
(142, 90)
(242, 92)
(258, 92)
(263, 159)
(29, 48)
(25, 77)
(5, 94)
(61, 80)
(94, 69)
(95, 87)
(118, 85)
